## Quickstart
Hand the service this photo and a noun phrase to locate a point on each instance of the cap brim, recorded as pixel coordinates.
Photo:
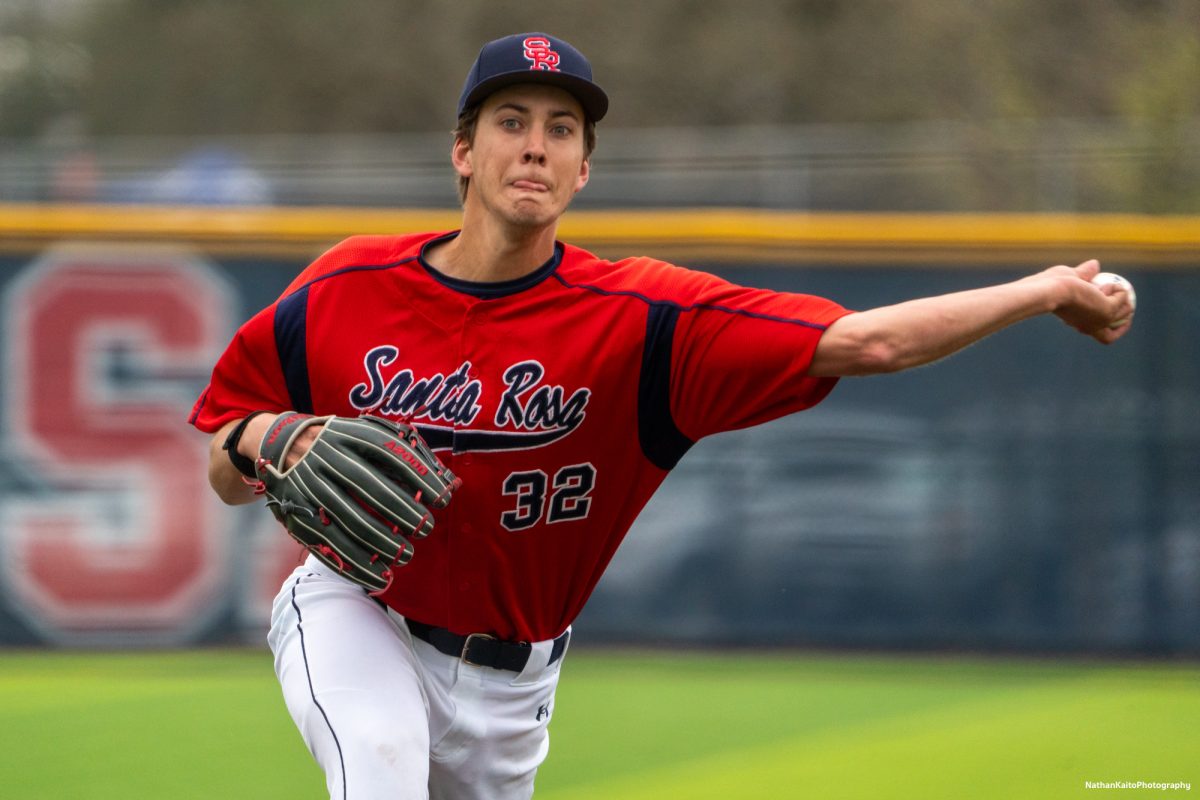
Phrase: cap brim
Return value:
(590, 96)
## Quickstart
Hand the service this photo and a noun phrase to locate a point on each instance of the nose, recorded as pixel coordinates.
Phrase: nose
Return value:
(535, 150)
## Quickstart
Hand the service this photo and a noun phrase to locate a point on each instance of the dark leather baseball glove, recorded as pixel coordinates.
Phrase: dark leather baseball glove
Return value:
(358, 495)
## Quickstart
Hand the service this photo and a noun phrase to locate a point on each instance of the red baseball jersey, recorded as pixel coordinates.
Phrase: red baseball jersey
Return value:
(562, 399)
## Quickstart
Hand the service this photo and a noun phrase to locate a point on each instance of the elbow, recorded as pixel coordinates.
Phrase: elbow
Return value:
(875, 353)
(880, 357)
(857, 346)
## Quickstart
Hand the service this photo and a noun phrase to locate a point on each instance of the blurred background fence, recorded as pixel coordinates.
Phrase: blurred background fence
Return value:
(1044, 165)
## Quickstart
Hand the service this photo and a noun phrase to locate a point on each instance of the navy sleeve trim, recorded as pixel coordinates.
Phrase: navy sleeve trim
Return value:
(195, 415)
(662, 442)
(291, 342)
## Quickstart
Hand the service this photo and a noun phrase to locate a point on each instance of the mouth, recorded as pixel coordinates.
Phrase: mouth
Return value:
(530, 185)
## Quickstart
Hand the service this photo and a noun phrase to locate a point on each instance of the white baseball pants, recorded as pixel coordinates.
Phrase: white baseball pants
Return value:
(388, 716)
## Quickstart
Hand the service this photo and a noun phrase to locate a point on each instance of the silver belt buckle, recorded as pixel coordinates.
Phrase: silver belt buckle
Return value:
(467, 648)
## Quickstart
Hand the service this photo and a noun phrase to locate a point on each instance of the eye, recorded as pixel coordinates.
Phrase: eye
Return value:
(510, 123)
(562, 130)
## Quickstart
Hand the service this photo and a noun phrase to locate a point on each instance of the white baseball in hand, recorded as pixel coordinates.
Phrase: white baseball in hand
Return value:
(1111, 277)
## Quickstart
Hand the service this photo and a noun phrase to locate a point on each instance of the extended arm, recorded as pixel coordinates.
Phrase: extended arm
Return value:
(906, 335)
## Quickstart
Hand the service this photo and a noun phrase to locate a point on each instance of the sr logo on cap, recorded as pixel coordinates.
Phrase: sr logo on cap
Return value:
(539, 53)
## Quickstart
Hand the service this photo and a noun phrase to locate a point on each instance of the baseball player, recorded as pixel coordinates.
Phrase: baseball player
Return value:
(557, 388)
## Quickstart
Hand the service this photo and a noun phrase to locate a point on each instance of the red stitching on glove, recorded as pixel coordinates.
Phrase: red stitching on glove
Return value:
(329, 552)
(450, 487)
(259, 486)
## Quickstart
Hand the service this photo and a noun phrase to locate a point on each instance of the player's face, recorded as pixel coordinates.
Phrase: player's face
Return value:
(526, 162)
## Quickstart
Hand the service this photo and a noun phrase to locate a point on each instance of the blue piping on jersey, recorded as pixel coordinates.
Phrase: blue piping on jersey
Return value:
(692, 307)
(355, 268)
(484, 290)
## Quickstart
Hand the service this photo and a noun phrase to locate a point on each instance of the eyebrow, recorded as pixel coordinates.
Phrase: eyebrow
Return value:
(520, 109)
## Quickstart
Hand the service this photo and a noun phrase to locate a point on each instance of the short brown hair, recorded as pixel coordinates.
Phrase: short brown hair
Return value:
(469, 119)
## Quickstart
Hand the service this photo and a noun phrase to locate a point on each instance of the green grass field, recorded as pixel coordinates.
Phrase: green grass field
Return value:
(211, 724)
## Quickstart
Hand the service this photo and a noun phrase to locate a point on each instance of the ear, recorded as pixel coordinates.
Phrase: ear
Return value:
(585, 171)
(460, 157)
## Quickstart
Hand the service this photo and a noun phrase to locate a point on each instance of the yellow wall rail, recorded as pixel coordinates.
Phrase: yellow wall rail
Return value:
(685, 235)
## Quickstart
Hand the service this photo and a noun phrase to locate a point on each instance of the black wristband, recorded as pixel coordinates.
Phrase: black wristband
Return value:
(244, 465)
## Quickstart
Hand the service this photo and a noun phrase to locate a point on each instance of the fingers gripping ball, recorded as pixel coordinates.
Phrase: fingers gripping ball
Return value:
(358, 495)
(1111, 277)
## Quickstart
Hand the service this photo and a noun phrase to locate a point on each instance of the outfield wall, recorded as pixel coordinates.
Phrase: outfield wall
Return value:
(1037, 492)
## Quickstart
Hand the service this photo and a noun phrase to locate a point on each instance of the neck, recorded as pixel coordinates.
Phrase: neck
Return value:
(487, 250)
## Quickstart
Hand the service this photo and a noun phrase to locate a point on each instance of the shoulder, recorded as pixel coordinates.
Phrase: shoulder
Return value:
(692, 291)
(358, 254)
(640, 277)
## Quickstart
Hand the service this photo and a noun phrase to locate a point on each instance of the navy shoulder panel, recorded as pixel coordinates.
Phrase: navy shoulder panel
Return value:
(662, 442)
(291, 336)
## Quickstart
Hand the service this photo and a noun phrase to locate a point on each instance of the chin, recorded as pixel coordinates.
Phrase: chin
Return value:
(526, 217)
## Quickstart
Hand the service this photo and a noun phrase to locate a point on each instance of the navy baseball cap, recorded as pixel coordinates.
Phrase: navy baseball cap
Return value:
(533, 58)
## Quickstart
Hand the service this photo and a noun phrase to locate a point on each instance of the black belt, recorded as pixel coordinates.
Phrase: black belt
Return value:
(482, 650)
